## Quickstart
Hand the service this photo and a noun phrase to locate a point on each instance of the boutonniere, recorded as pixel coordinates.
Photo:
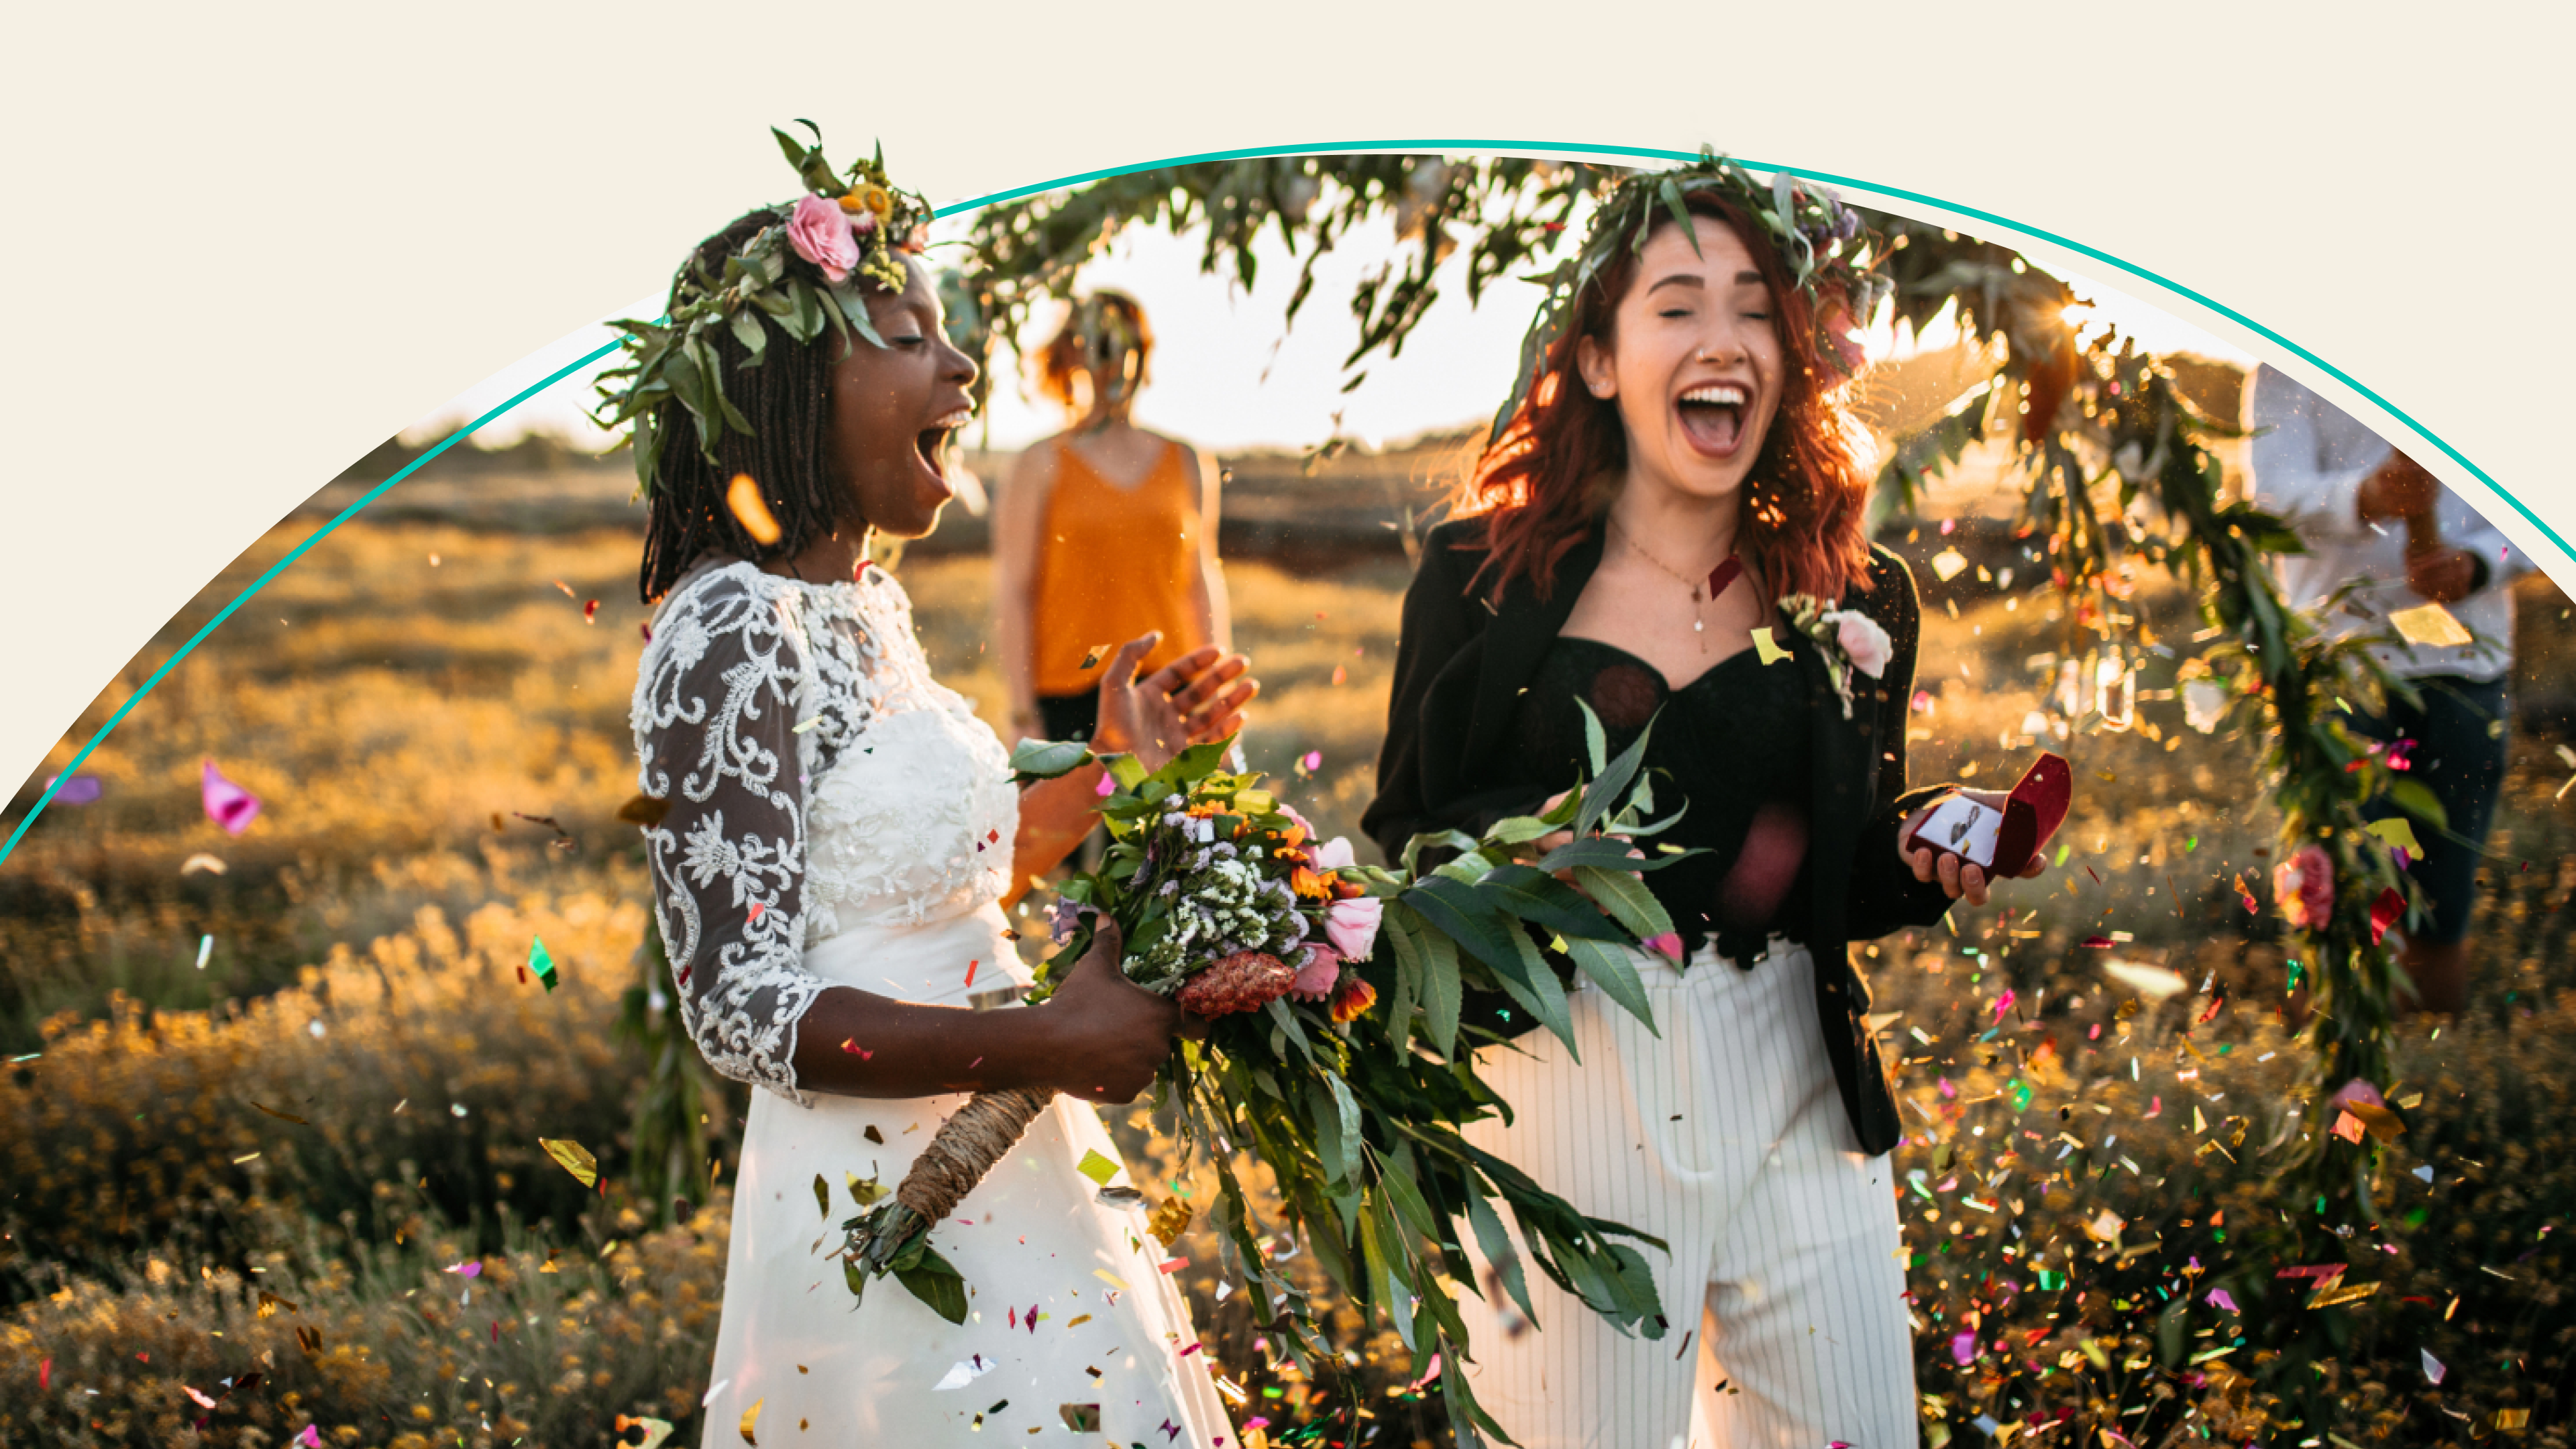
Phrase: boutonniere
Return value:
(1847, 638)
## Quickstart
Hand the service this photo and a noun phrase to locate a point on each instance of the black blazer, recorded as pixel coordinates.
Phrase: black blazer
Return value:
(1462, 664)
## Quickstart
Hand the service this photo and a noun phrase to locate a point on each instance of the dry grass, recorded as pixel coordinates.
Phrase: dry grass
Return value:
(401, 703)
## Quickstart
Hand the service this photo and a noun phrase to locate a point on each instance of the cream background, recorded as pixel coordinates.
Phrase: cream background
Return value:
(246, 244)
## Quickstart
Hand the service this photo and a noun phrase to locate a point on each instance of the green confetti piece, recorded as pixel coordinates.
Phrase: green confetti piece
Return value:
(1098, 1168)
(541, 963)
(2051, 1281)
(2020, 1095)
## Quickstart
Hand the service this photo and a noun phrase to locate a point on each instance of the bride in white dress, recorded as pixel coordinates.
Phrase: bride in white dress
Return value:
(840, 836)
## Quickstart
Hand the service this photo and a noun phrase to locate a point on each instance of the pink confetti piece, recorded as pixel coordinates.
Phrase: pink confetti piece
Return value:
(202, 1401)
(74, 789)
(1313, 761)
(228, 804)
(464, 1269)
(1948, 1092)
(1172, 1265)
(1108, 785)
(2223, 1299)
(1963, 1348)
(311, 1438)
(757, 910)
(2098, 943)
(2003, 1003)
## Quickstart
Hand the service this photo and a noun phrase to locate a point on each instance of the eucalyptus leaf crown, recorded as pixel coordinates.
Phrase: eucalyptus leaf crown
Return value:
(804, 270)
(1830, 256)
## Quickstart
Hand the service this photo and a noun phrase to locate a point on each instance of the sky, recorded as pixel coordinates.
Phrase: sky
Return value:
(1228, 374)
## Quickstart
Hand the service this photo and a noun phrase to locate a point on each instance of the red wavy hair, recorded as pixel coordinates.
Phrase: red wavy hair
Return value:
(1542, 485)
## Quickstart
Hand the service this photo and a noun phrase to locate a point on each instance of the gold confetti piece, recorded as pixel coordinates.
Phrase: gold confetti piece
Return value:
(743, 499)
(2377, 1120)
(280, 1116)
(269, 1303)
(2428, 624)
(201, 861)
(1112, 1279)
(644, 810)
(1771, 653)
(1078, 1320)
(252, 1157)
(1096, 1167)
(1169, 1221)
(806, 724)
(1091, 657)
(2398, 832)
(576, 1159)
(2341, 1294)
(2512, 1418)
(1947, 564)
(751, 1415)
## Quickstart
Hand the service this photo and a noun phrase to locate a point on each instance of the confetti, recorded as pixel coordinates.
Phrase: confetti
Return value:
(201, 861)
(227, 804)
(2385, 912)
(2399, 833)
(205, 948)
(1963, 1348)
(464, 1269)
(74, 789)
(1112, 1279)
(1169, 1221)
(2430, 625)
(1091, 657)
(1770, 652)
(1096, 1167)
(964, 1372)
(2433, 1368)
(311, 1438)
(970, 978)
(743, 501)
(750, 1417)
(1080, 1418)
(2152, 982)
(655, 1431)
(1108, 785)
(1948, 563)
(281, 1116)
(576, 1159)
(590, 612)
(2342, 1294)
(1311, 761)
(2222, 1298)
(541, 963)
(1121, 1197)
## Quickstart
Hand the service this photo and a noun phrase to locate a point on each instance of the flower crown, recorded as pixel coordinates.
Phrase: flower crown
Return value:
(1831, 257)
(846, 226)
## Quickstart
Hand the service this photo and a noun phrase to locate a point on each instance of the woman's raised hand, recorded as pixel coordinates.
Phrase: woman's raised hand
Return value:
(1195, 699)
(1111, 1034)
(1959, 879)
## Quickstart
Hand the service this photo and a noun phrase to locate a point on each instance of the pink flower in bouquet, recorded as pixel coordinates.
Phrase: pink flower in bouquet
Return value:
(821, 235)
(1862, 641)
(1315, 979)
(1351, 925)
(1333, 854)
(2304, 886)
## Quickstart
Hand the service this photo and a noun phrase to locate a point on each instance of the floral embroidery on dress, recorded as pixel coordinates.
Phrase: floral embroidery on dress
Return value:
(817, 779)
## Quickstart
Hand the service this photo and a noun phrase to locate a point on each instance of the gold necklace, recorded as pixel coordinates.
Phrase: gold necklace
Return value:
(1719, 580)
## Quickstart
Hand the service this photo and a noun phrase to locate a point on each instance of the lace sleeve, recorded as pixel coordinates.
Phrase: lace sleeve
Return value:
(717, 698)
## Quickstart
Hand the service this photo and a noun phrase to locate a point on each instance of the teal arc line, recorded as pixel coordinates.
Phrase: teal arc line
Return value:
(1248, 153)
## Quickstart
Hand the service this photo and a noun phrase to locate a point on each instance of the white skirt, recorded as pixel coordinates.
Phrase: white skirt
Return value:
(1032, 1240)
(1725, 1137)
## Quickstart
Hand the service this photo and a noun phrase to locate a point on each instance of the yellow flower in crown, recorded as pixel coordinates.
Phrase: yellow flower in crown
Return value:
(868, 197)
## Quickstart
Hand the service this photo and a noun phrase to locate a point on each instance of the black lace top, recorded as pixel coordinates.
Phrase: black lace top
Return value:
(1732, 746)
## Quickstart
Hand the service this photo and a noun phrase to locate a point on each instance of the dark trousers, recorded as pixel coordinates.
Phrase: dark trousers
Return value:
(2457, 751)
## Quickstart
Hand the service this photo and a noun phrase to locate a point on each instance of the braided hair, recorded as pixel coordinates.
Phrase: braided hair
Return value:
(787, 396)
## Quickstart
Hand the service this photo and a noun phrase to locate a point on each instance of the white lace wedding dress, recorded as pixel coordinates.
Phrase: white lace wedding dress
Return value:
(836, 817)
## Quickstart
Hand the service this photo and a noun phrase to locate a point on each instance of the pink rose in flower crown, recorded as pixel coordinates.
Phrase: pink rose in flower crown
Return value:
(2304, 887)
(1315, 979)
(1862, 641)
(821, 235)
(1351, 925)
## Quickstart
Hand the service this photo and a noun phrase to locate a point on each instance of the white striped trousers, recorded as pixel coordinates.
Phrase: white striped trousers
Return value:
(1726, 1138)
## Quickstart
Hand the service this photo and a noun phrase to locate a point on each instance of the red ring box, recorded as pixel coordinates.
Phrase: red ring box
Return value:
(2032, 812)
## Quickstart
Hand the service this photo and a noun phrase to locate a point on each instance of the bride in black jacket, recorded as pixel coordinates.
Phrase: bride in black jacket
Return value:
(1668, 527)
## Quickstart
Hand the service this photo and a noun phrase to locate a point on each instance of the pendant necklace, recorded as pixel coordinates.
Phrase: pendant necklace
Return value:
(1719, 579)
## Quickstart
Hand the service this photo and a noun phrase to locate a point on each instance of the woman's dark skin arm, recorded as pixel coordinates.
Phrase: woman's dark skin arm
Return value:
(1098, 1037)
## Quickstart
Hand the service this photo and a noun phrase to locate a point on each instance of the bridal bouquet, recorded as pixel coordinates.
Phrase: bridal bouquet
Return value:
(1335, 1052)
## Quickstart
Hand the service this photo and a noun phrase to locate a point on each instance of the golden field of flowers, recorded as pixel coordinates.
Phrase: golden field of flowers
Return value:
(281, 1118)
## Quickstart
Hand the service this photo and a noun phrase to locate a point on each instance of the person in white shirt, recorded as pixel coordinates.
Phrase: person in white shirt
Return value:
(2369, 513)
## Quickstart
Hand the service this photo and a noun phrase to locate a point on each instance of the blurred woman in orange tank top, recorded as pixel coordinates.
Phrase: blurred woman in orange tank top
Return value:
(1102, 533)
